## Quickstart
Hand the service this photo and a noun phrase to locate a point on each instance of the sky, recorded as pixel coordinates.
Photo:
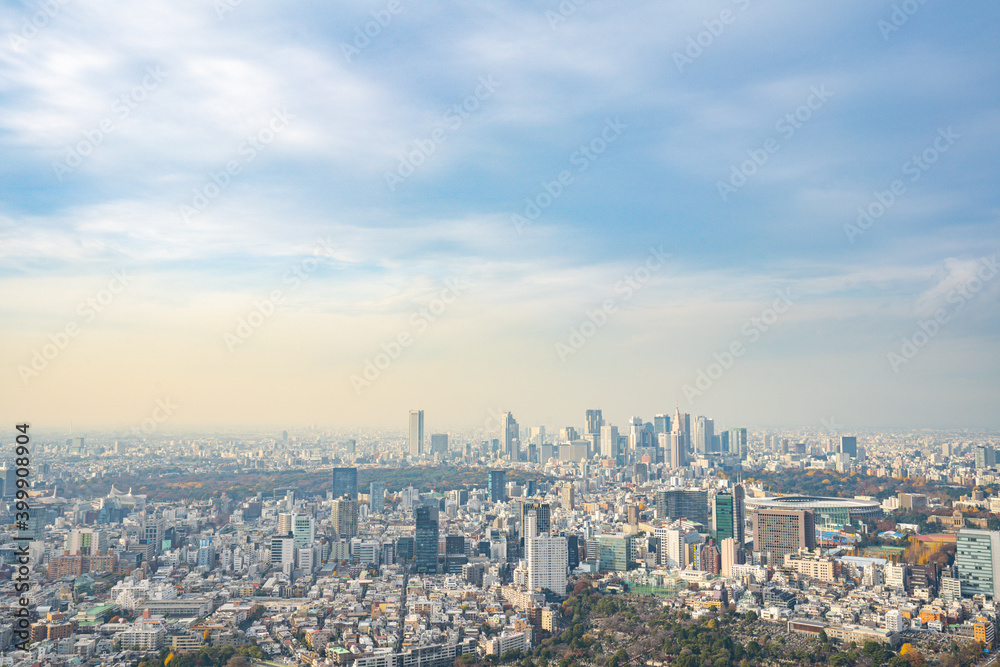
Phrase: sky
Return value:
(265, 214)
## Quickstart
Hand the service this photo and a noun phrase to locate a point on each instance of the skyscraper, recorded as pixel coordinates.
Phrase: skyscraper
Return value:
(426, 539)
(704, 433)
(690, 504)
(345, 482)
(738, 442)
(376, 494)
(439, 443)
(510, 437)
(416, 432)
(661, 424)
(609, 441)
(730, 515)
(682, 427)
(497, 486)
(848, 445)
(345, 517)
(547, 558)
(780, 532)
(595, 420)
(977, 556)
(542, 513)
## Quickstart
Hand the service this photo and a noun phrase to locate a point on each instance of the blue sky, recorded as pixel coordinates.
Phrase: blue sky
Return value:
(182, 85)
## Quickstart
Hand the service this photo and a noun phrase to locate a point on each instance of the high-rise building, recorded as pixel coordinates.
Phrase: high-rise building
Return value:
(345, 482)
(609, 442)
(732, 554)
(497, 486)
(567, 496)
(681, 426)
(285, 523)
(439, 443)
(780, 532)
(282, 550)
(738, 442)
(541, 511)
(416, 432)
(711, 559)
(548, 558)
(690, 504)
(730, 515)
(426, 540)
(977, 557)
(704, 433)
(303, 529)
(376, 494)
(616, 552)
(985, 457)
(87, 541)
(848, 445)
(345, 517)
(595, 420)
(661, 424)
(510, 437)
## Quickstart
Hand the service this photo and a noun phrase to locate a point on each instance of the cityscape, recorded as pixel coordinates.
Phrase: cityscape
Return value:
(588, 544)
(548, 333)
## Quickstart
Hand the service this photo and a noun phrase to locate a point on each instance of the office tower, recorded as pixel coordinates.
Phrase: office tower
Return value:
(977, 557)
(547, 558)
(345, 517)
(404, 549)
(609, 441)
(439, 443)
(985, 457)
(567, 496)
(416, 432)
(497, 486)
(732, 554)
(616, 552)
(780, 532)
(690, 504)
(285, 523)
(677, 450)
(345, 482)
(9, 480)
(738, 442)
(282, 551)
(704, 433)
(711, 558)
(426, 540)
(681, 425)
(595, 420)
(848, 445)
(661, 424)
(303, 529)
(730, 515)
(351, 446)
(376, 494)
(568, 434)
(87, 541)
(206, 553)
(543, 516)
(510, 437)
(721, 442)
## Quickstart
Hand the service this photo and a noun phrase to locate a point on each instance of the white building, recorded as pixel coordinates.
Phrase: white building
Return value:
(548, 558)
